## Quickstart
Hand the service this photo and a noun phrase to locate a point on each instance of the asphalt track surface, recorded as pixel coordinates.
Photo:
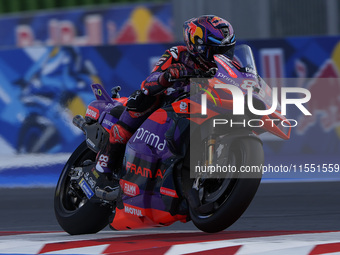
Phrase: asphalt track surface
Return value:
(277, 206)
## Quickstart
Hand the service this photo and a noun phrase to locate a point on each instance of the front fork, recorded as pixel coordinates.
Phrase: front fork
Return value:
(208, 159)
(209, 148)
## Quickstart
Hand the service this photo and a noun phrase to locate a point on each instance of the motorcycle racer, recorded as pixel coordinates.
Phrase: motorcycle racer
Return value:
(204, 37)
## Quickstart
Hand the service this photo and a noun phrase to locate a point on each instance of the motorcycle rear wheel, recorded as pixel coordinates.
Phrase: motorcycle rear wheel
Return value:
(75, 214)
(230, 197)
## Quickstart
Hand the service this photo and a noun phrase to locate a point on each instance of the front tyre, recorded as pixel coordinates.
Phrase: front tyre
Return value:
(75, 214)
(224, 200)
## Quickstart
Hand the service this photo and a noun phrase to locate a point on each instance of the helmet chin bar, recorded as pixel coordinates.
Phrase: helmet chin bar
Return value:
(203, 53)
(206, 63)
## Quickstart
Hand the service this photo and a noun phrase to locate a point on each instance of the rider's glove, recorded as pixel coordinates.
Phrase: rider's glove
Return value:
(174, 71)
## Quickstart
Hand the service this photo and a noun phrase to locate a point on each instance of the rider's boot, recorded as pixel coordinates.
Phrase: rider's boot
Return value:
(110, 158)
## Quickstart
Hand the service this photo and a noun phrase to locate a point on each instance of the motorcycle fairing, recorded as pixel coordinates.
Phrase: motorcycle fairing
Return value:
(104, 109)
(100, 93)
(262, 95)
(107, 120)
(150, 163)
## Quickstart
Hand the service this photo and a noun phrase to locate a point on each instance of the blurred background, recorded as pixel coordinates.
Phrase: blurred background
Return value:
(52, 50)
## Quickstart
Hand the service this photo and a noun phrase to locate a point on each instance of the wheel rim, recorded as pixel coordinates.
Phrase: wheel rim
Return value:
(216, 191)
(71, 195)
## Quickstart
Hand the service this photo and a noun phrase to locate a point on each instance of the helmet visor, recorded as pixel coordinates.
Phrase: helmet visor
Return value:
(208, 51)
(225, 50)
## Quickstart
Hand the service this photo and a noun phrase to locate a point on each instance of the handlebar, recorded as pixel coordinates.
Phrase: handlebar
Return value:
(197, 74)
(114, 92)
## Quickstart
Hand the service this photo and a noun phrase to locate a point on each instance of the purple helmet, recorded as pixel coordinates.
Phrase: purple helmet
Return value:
(208, 35)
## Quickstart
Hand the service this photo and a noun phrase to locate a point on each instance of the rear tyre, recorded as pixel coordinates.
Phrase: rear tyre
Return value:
(228, 198)
(75, 214)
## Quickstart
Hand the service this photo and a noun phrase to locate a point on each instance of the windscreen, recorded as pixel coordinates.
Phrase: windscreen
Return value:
(243, 55)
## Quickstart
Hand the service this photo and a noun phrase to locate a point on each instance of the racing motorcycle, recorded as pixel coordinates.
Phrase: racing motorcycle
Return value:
(172, 166)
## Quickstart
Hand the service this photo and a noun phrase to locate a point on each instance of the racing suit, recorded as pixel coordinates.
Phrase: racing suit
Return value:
(174, 63)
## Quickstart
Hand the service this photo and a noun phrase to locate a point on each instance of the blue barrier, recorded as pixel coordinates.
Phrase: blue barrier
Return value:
(28, 170)
(40, 94)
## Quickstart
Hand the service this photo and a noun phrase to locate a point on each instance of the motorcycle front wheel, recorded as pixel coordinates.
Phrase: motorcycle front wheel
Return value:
(75, 214)
(224, 200)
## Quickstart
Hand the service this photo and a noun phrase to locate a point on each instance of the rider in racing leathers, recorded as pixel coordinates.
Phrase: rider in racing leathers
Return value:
(204, 36)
